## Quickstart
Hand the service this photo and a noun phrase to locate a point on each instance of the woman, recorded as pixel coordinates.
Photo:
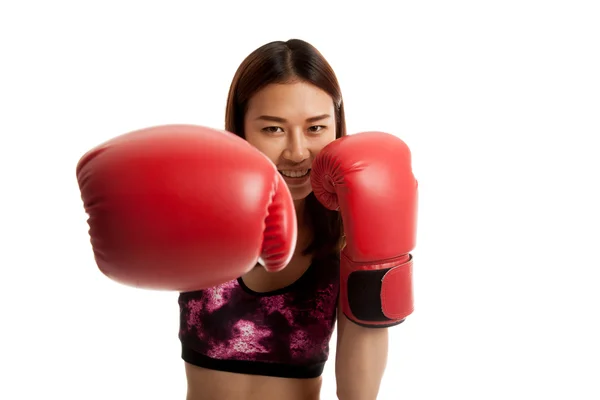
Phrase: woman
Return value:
(266, 335)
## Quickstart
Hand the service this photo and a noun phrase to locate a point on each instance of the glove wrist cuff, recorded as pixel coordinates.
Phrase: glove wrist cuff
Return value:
(377, 294)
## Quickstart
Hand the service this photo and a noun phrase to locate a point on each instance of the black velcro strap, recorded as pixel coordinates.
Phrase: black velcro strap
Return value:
(364, 295)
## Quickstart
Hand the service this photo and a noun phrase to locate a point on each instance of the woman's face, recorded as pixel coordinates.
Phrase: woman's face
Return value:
(290, 124)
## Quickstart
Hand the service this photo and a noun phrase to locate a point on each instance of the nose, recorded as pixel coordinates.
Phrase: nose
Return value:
(296, 149)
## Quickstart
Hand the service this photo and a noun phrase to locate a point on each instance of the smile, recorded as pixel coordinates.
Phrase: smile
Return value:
(295, 174)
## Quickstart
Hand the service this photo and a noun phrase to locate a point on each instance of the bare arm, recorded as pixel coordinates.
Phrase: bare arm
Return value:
(361, 358)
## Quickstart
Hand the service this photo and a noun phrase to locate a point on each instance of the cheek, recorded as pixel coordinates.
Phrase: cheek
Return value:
(323, 141)
(268, 147)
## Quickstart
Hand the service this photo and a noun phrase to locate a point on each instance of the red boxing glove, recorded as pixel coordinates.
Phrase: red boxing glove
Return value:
(368, 177)
(183, 208)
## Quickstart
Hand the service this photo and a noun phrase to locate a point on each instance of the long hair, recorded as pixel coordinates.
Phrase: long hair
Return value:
(286, 62)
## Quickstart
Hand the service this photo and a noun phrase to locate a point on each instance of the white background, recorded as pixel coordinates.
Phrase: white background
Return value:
(499, 102)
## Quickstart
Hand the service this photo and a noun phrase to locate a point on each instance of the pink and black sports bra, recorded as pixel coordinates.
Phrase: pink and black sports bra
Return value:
(282, 333)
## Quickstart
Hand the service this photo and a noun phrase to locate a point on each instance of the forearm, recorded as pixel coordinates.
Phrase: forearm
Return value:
(361, 358)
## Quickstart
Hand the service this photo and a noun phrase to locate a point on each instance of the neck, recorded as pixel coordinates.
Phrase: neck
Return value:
(300, 207)
(304, 231)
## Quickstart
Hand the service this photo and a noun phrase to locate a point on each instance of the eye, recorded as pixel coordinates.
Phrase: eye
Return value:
(271, 129)
(316, 128)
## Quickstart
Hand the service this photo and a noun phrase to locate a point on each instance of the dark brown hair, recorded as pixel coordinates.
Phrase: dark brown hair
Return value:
(285, 62)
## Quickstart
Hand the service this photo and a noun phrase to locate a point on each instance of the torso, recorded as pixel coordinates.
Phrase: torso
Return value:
(208, 384)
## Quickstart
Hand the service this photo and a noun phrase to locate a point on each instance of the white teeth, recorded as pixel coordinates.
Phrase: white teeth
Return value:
(295, 174)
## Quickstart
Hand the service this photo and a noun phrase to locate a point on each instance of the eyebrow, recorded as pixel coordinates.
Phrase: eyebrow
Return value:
(282, 120)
